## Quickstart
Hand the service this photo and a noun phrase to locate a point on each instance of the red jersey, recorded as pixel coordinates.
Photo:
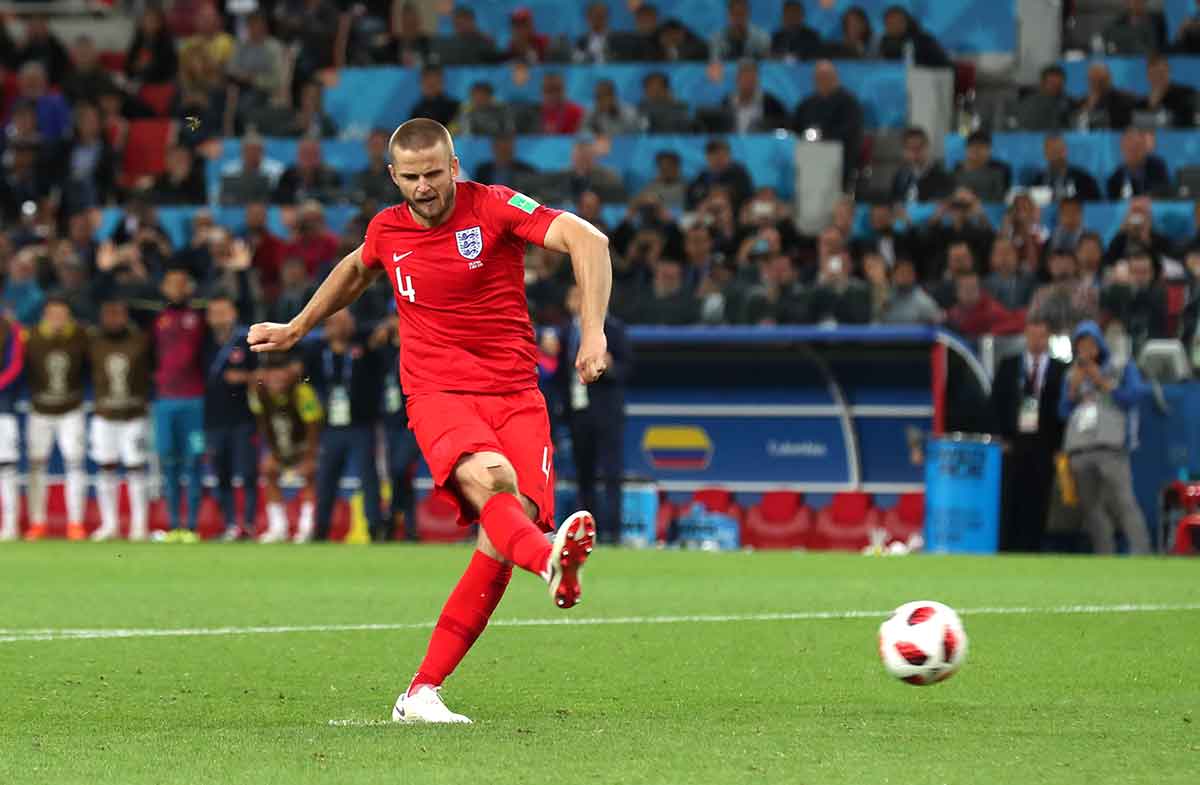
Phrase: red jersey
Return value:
(460, 290)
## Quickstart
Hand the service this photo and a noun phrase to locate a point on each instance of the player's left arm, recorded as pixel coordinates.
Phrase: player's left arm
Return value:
(588, 248)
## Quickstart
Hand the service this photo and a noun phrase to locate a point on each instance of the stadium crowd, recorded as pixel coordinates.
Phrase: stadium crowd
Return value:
(712, 248)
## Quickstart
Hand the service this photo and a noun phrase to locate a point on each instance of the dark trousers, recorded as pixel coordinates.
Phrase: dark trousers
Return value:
(340, 448)
(1028, 481)
(233, 452)
(597, 444)
(402, 455)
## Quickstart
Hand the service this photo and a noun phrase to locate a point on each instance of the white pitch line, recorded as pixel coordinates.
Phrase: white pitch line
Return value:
(18, 635)
(359, 723)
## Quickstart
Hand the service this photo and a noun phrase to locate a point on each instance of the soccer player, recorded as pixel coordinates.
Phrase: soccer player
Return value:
(56, 354)
(289, 418)
(228, 424)
(119, 357)
(12, 350)
(454, 254)
(179, 336)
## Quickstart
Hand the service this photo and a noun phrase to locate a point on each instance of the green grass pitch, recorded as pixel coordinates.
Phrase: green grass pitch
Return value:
(1057, 698)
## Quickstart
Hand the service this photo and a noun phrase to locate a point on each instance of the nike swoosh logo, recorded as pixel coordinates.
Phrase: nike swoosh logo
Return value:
(398, 256)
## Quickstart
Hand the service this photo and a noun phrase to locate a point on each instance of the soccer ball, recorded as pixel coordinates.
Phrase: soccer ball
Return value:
(922, 643)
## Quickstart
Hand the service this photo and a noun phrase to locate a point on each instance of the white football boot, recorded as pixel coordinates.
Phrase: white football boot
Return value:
(573, 544)
(425, 705)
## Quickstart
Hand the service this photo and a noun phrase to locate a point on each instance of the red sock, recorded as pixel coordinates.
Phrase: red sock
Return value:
(518, 539)
(463, 618)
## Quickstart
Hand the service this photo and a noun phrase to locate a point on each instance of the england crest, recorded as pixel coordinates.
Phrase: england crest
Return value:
(470, 242)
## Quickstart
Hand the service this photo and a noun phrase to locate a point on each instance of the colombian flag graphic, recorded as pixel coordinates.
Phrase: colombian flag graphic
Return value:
(677, 447)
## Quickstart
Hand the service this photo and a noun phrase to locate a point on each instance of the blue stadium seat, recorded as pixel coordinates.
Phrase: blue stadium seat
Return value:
(177, 221)
(1129, 73)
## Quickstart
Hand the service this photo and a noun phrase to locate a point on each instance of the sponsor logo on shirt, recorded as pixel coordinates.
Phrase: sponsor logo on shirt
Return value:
(523, 203)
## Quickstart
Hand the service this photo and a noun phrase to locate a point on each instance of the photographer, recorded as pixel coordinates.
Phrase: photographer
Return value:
(1099, 402)
(959, 219)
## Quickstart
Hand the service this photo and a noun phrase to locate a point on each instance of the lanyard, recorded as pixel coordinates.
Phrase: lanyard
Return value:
(347, 367)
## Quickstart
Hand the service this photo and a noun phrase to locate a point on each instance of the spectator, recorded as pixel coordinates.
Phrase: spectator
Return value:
(310, 27)
(90, 176)
(987, 178)
(838, 297)
(504, 168)
(253, 177)
(1136, 299)
(81, 236)
(43, 47)
(1006, 282)
(720, 171)
(903, 39)
(594, 45)
(526, 44)
(909, 303)
(312, 242)
(959, 219)
(920, 178)
(182, 182)
(775, 297)
(151, 57)
(610, 115)
(257, 66)
(53, 113)
(266, 249)
(699, 255)
(748, 109)
(86, 78)
(228, 427)
(586, 174)
(374, 184)
(590, 208)
(882, 236)
(676, 43)
(210, 39)
(294, 290)
(348, 377)
(1098, 400)
(960, 260)
(1137, 232)
(794, 40)
(1049, 108)
(1063, 179)
(1069, 229)
(483, 115)
(479, 46)
(834, 112)
(666, 300)
(22, 295)
(1024, 402)
(668, 184)
(22, 181)
(231, 272)
(644, 44)
(1068, 298)
(434, 103)
(664, 114)
(1104, 106)
(308, 178)
(198, 72)
(406, 43)
(560, 115)
(976, 313)
(1140, 172)
(876, 273)
(1022, 226)
(740, 38)
(309, 119)
(596, 416)
(1138, 31)
(1187, 37)
(857, 40)
(1090, 254)
(1173, 103)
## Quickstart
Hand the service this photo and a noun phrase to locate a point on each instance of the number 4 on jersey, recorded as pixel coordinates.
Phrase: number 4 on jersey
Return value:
(404, 286)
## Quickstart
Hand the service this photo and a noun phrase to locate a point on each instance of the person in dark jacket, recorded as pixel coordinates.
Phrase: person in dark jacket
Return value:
(1063, 179)
(920, 178)
(1024, 401)
(902, 34)
(1175, 102)
(596, 416)
(1141, 172)
(794, 40)
(151, 57)
(835, 112)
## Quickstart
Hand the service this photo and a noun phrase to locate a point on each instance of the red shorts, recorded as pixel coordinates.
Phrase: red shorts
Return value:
(449, 426)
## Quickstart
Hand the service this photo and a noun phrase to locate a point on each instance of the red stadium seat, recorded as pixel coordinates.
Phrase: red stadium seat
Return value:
(720, 500)
(145, 149)
(779, 520)
(158, 97)
(846, 524)
(437, 520)
(906, 518)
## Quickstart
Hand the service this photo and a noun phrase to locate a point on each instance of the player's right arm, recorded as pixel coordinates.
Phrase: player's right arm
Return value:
(349, 279)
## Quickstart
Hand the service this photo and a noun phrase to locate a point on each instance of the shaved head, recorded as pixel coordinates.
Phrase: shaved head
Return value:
(420, 133)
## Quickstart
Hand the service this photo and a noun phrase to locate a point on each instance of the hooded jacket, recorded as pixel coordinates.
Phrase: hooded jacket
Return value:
(1099, 420)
